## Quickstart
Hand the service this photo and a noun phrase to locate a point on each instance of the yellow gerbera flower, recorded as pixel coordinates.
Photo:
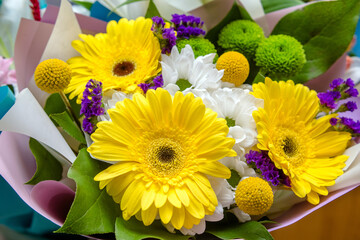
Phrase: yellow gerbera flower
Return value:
(302, 146)
(164, 148)
(127, 55)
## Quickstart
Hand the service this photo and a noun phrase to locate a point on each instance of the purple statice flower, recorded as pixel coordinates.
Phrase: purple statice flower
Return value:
(353, 126)
(144, 86)
(350, 83)
(158, 22)
(187, 26)
(169, 36)
(336, 83)
(267, 168)
(333, 121)
(91, 104)
(351, 106)
(328, 98)
(166, 36)
(352, 92)
(156, 83)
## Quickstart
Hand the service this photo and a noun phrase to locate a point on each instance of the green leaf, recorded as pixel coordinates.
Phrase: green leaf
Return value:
(250, 231)
(152, 10)
(3, 49)
(274, 5)
(93, 210)
(235, 13)
(325, 29)
(65, 121)
(127, 2)
(48, 167)
(234, 179)
(85, 4)
(54, 104)
(135, 230)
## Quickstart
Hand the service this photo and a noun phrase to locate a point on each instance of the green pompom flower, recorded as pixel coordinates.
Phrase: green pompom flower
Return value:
(241, 36)
(200, 46)
(280, 56)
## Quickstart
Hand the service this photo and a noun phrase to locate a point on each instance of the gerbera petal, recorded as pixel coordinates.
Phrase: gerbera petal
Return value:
(148, 215)
(166, 212)
(178, 217)
(115, 170)
(215, 169)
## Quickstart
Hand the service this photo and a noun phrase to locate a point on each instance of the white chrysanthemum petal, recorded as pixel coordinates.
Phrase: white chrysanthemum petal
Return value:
(218, 215)
(241, 216)
(236, 104)
(196, 229)
(173, 88)
(201, 73)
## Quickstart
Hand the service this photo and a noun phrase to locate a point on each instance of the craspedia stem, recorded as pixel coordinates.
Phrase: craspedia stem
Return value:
(69, 108)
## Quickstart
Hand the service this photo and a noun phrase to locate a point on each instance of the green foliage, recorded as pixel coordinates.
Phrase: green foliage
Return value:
(280, 57)
(135, 230)
(65, 121)
(152, 11)
(127, 2)
(200, 46)
(242, 36)
(274, 5)
(234, 179)
(325, 29)
(93, 210)
(235, 13)
(250, 231)
(48, 167)
(85, 4)
(183, 84)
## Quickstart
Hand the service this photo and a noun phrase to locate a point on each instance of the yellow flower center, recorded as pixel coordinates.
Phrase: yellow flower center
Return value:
(165, 157)
(292, 145)
(124, 68)
(236, 67)
(254, 196)
(52, 75)
(167, 153)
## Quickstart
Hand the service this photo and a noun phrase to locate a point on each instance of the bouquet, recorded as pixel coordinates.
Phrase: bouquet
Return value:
(168, 128)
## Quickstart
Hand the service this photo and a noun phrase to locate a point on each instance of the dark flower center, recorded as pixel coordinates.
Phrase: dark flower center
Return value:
(165, 154)
(123, 68)
(289, 147)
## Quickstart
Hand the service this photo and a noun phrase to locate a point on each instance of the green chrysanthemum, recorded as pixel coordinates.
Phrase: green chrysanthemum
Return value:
(241, 36)
(200, 46)
(280, 56)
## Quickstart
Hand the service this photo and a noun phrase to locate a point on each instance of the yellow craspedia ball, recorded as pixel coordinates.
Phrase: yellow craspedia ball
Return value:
(254, 196)
(52, 75)
(236, 67)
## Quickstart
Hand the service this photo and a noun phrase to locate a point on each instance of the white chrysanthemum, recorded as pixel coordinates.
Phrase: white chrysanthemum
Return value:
(182, 69)
(239, 165)
(236, 106)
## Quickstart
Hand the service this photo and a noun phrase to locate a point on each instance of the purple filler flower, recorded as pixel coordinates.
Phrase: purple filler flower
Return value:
(336, 83)
(349, 82)
(351, 106)
(267, 168)
(91, 104)
(329, 98)
(352, 92)
(170, 36)
(333, 121)
(351, 124)
(187, 26)
(157, 82)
